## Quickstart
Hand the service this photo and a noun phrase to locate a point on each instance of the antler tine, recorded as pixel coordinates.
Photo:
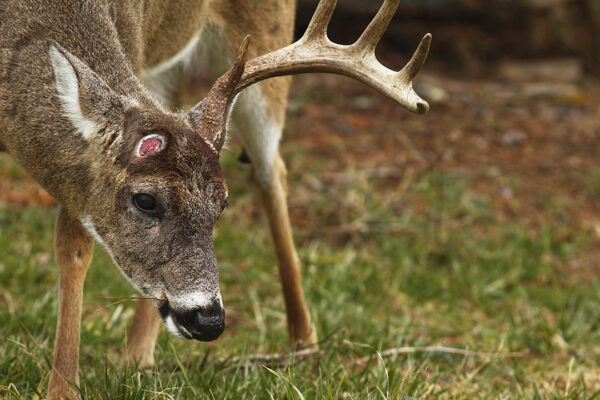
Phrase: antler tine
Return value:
(228, 82)
(370, 38)
(216, 106)
(406, 76)
(412, 68)
(317, 29)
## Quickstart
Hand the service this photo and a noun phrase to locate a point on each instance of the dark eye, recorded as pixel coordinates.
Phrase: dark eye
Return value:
(145, 203)
(225, 205)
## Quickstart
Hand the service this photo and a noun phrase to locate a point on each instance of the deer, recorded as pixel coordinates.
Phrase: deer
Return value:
(83, 110)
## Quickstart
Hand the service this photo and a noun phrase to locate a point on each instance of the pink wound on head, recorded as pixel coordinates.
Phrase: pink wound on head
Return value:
(150, 145)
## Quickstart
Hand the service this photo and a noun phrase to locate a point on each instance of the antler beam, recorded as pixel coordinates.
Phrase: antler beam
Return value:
(314, 52)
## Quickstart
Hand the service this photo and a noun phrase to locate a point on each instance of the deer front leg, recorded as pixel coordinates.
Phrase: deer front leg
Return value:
(257, 120)
(73, 247)
(273, 193)
(143, 334)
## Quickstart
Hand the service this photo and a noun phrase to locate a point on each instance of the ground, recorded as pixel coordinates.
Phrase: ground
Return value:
(453, 255)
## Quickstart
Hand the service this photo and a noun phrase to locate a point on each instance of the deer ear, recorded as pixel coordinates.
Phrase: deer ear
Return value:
(85, 98)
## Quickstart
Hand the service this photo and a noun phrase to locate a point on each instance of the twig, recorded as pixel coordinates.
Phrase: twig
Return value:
(282, 359)
(409, 144)
(365, 228)
(436, 349)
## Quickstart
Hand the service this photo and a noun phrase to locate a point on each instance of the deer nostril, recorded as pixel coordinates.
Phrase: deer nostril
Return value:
(202, 323)
(211, 311)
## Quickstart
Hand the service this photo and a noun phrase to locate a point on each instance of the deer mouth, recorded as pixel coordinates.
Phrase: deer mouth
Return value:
(204, 324)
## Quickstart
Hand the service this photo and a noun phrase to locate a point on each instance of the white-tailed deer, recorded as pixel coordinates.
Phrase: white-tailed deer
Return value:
(144, 180)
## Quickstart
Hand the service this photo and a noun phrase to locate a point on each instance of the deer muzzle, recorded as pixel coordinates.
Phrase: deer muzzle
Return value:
(204, 323)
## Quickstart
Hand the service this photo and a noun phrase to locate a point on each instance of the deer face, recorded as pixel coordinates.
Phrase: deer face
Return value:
(159, 228)
(156, 195)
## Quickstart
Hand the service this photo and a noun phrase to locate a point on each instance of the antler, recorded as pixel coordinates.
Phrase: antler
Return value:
(216, 106)
(314, 52)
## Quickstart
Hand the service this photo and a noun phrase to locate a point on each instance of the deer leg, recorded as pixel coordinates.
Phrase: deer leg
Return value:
(73, 247)
(259, 131)
(257, 120)
(143, 334)
(273, 195)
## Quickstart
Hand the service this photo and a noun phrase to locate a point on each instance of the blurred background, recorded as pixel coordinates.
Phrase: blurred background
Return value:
(476, 226)
(513, 91)
(472, 34)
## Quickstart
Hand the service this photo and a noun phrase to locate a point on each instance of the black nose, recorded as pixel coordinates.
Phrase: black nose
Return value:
(204, 323)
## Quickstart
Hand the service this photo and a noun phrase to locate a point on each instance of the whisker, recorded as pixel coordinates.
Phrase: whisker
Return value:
(132, 298)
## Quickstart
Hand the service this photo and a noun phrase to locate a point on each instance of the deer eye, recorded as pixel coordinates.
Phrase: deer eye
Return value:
(145, 203)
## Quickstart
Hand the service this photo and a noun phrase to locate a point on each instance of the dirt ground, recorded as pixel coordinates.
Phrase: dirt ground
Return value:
(521, 143)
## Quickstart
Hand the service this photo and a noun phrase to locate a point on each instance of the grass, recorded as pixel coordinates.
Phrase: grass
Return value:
(424, 266)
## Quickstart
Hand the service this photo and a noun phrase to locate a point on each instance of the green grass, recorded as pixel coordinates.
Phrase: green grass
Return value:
(431, 265)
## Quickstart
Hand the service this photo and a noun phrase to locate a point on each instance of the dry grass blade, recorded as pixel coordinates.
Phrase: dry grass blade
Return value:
(272, 360)
(295, 357)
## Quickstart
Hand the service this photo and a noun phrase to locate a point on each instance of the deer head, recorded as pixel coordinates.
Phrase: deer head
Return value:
(155, 193)
(155, 186)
